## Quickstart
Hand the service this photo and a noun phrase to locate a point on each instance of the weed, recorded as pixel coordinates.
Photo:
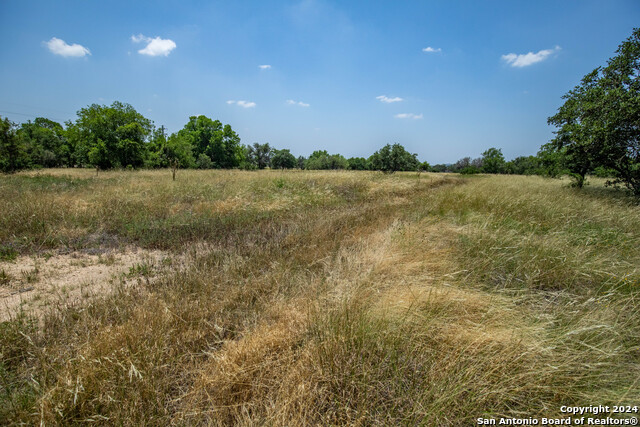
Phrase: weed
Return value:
(5, 278)
(8, 253)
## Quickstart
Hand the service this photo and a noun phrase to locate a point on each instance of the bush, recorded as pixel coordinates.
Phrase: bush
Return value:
(392, 158)
(204, 162)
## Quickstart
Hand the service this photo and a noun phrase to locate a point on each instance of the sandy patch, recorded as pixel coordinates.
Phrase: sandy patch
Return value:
(33, 283)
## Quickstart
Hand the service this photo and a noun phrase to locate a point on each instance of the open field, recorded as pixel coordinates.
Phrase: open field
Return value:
(293, 298)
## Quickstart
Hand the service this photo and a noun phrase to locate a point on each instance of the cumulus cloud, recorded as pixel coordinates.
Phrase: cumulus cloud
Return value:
(244, 104)
(300, 103)
(526, 59)
(388, 100)
(155, 46)
(264, 67)
(408, 116)
(430, 49)
(60, 47)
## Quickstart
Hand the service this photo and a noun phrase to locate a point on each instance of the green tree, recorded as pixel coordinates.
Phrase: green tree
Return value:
(461, 164)
(175, 152)
(523, 165)
(552, 160)
(392, 158)
(283, 159)
(574, 143)
(301, 162)
(110, 136)
(259, 155)
(13, 155)
(322, 160)
(493, 161)
(357, 163)
(424, 167)
(209, 137)
(204, 162)
(597, 126)
(45, 143)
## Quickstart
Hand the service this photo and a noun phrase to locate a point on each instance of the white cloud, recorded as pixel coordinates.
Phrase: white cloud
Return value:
(300, 103)
(408, 116)
(244, 104)
(60, 47)
(388, 100)
(155, 46)
(139, 38)
(430, 49)
(526, 59)
(264, 67)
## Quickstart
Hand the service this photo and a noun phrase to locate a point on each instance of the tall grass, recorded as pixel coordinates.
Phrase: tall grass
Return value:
(326, 298)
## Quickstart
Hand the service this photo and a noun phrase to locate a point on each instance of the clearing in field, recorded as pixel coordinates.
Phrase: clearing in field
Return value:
(286, 298)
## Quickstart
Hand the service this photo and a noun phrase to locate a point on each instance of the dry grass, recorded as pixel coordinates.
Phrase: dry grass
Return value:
(314, 298)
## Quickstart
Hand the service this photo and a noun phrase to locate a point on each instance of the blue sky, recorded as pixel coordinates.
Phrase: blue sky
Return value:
(446, 79)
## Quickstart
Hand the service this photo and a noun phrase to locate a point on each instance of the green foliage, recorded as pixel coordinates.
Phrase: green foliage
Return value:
(461, 164)
(12, 152)
(204, 162)
(392, 158)
(598, 123)
(469, 170)
(173, 151)
(283, 159)
(45, 143)
(200, 131)
(493, 161)
(603, 172)
(523, 165)
(118, 136)
(209, 137)
(301, 160)
(552, 161)
(7, 253)
(357, 163)
(109, 137)
(259, 155)
(322, 160)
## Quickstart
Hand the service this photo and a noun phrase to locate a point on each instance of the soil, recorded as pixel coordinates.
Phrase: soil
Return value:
(33, 283)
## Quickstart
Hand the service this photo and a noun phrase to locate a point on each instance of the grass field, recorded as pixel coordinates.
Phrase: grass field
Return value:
(317, 298)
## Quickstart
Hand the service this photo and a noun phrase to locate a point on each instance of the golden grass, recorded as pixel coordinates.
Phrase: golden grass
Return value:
(327, 298)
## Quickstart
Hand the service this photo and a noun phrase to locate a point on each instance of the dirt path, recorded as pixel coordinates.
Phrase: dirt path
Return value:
(33, 283)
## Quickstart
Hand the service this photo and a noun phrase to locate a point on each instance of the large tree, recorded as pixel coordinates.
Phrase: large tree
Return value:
(283, 159)
(110, 136)
(493, 161)
(392, 158)
(259, 155)
(209, 137)
(599, 123)
(45, 143)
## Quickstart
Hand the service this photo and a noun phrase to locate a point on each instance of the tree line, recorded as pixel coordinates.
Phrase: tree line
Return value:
(117, 136)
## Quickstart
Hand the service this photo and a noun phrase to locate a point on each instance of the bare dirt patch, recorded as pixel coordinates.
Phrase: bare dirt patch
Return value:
(33, 283)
